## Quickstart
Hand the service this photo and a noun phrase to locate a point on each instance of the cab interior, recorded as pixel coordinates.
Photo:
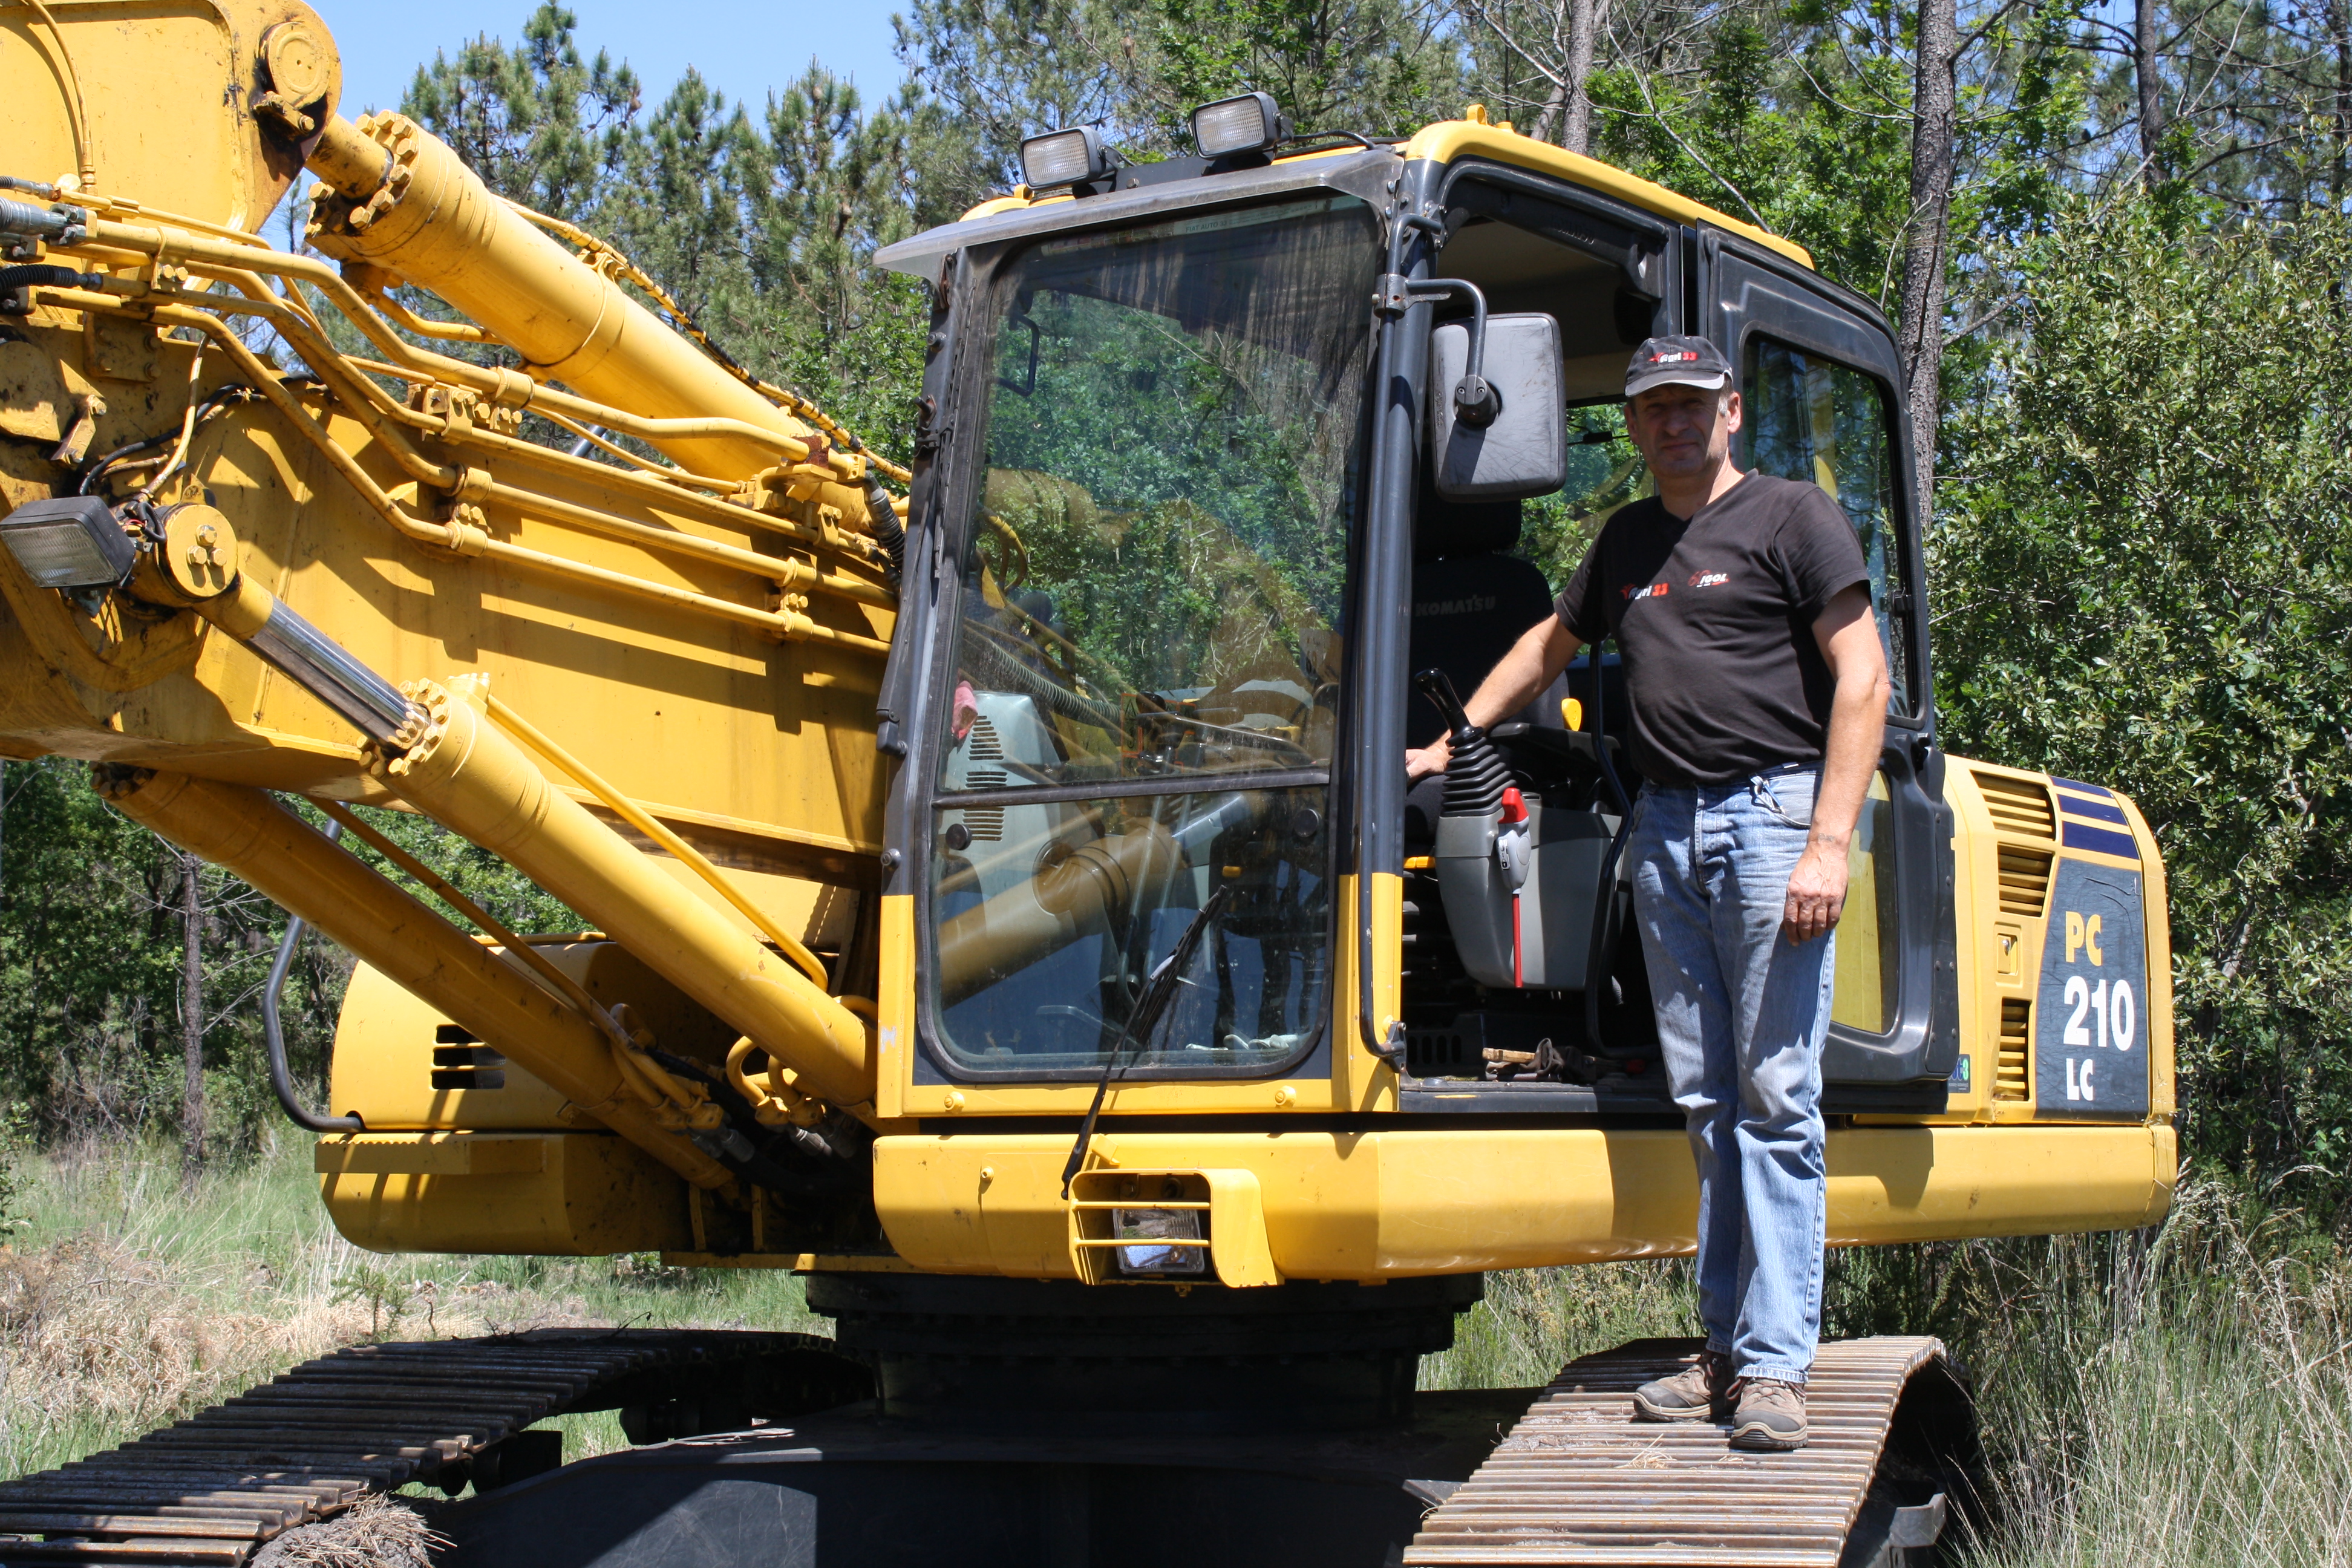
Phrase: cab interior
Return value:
(1473, 1042)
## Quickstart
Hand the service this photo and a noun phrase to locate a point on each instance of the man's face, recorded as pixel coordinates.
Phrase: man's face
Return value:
(1685, 432)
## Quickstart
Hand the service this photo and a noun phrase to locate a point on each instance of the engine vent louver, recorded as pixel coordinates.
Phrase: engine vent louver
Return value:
(2012, 1071)
(460, 1060)
(2025, 880)
(2021, 808)
(2018, 806)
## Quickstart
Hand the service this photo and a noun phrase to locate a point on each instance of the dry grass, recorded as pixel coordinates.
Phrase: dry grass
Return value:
(374, 1532)
(2174, 1400)
(127, 1302)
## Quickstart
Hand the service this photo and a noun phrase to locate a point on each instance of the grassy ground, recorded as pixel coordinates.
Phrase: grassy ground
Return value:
(2165, 1400)
(126, 1302)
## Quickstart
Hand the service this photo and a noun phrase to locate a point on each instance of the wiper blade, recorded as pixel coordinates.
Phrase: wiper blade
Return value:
(1158, 990)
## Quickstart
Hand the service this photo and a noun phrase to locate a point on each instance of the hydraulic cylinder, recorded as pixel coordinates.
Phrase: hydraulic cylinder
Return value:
(401, 199)
(465, 774)
(244, 831)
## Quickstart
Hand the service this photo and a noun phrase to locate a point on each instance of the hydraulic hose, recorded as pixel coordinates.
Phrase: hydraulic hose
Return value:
(281, 1078)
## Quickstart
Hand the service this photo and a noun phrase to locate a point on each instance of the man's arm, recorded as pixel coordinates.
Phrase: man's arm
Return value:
(1534, 662)
(1848, 636)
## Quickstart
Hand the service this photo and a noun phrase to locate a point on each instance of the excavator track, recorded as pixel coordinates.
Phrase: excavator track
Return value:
(1578, 1481)
(212, 1489)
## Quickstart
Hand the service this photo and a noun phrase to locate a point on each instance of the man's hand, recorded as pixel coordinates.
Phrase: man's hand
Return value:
(1816, 892)
(1533, 662)
(1848, 638)
(1430, 759)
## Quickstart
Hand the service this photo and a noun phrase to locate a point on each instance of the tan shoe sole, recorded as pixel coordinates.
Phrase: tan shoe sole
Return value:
(1646, 1411)
(1758, 1438)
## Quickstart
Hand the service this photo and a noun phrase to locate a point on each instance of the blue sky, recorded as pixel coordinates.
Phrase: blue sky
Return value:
(742, 49)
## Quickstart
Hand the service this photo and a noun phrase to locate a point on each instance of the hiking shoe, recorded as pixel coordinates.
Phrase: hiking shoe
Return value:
(1701, 1389)
(1771, 1416)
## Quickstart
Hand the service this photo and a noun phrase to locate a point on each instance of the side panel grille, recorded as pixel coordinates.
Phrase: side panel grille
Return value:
(2012, 1072)
(2025, 880)
(2018, 806)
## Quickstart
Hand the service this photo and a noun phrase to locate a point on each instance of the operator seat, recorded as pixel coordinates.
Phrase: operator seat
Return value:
(1470, 602)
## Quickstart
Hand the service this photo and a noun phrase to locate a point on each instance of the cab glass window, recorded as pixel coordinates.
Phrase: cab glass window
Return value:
(1822, 423)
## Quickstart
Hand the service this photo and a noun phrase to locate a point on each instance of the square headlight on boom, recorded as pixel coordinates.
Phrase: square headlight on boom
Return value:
(68, 541)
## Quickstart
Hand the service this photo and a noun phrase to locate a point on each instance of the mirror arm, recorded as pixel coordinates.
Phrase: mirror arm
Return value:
(1476, 402)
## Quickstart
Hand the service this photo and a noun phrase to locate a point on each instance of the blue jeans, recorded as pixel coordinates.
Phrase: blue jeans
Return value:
(1741, 1017)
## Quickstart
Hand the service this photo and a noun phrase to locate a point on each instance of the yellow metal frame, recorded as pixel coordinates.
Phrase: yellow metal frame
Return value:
(1386, 1202)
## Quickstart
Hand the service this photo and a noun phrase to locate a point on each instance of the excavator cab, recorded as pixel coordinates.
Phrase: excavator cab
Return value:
(1209, 498)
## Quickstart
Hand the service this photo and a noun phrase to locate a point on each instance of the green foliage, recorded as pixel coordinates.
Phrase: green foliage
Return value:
(1138, 68)
(2144, 576)
(541, 125)
(1370, 66)
(90, 953)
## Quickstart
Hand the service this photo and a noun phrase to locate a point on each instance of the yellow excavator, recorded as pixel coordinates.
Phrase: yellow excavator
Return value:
(1007, 907)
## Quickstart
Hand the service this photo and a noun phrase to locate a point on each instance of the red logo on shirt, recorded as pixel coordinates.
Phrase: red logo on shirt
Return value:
(1709, 579)
(1654, 591)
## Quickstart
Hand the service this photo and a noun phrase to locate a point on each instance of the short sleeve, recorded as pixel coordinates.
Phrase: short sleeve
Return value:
(1580, 606)
(1819, 552)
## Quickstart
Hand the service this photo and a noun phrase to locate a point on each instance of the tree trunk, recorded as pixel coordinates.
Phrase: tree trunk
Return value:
(191, 1016)
(2339, 23)
(1924, 245)
(2151, 102)
(1583, 22)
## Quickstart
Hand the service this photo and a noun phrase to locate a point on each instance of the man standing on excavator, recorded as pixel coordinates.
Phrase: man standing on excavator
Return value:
(1758, 690)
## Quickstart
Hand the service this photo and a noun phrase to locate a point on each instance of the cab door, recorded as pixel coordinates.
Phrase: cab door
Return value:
(1818, 378)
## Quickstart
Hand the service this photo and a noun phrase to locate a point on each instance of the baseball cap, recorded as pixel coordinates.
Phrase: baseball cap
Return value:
(1676, 362)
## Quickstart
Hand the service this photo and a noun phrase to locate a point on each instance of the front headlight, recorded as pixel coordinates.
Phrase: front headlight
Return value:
(1064, 158)
(1156, 1229)
(1250, 123)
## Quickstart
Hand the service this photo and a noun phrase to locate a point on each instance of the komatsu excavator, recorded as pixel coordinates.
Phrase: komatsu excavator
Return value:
(1006, 908)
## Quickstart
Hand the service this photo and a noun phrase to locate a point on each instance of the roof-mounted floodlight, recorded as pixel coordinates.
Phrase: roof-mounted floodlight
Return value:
(1253, 122)
(1066, 158)
(68, 541)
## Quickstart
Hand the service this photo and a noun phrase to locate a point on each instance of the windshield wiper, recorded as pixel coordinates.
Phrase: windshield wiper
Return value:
(1158, 990)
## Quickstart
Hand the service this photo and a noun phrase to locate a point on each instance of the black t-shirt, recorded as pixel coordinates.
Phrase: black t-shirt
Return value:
(1715, 615)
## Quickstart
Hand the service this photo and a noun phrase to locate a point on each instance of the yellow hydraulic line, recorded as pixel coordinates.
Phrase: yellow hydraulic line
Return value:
(516, 388)
(466, 774)
(75, 112)
(408, 320)
(360, 393)
(787, 624)
(430, 219)
(294, 865)
(563, 984)
(636, 817)
(652, 1082)
(669, 472)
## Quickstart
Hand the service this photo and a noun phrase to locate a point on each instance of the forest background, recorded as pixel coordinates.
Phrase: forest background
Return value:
(2114, 237)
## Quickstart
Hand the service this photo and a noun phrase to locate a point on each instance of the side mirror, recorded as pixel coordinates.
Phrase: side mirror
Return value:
(1519, 447)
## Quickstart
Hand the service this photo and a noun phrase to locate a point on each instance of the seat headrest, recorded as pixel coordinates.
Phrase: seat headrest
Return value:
(1449, 528)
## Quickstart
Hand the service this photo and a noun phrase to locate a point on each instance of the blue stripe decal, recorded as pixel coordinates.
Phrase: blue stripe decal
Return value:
(2084, 788)
(2080, 836)
(2099, 810)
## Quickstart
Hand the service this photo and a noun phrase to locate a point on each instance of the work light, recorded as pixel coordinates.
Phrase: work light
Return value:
(1065, 157)
(68, 541)
(1249, 123)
